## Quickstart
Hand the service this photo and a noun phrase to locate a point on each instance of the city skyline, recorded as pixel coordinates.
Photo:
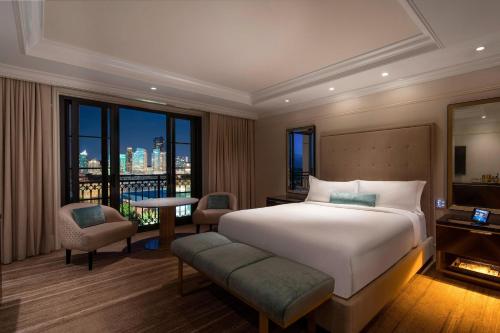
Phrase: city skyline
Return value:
(137, 129)
(137, 161)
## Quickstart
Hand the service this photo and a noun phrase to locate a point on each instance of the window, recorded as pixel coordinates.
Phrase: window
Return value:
(300, 158)
(115, 155)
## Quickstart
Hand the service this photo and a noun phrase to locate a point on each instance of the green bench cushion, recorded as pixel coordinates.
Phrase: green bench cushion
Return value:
(283, 289)
(187, 247)
(218, 263)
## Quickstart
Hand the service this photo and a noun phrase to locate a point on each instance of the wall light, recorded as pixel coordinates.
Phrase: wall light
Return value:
(384, 74)
(440, 203)
(480, 48)
(287, 101)
(153, 88)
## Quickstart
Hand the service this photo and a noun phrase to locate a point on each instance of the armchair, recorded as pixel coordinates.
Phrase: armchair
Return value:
(211, 217)
(90, 239)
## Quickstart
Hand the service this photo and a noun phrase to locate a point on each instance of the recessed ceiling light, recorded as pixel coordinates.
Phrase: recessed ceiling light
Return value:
(331, 88)
(480, 48)
(484, 117)
(287, 101)
(153, 88)
(384, 74)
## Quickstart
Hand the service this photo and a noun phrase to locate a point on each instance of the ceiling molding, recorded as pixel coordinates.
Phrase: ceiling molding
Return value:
(440, 73)
(75, 56)
(393, 52)
(30, 16)
(29, 20)
(104, 88)
(419, 19)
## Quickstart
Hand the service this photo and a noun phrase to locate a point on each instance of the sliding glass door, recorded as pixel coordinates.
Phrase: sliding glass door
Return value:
(115, 155)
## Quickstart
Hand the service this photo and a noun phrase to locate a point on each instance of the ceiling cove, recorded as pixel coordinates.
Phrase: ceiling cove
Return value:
(30, 21)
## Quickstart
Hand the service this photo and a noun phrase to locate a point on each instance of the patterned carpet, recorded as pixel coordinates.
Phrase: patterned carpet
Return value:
(137, 293)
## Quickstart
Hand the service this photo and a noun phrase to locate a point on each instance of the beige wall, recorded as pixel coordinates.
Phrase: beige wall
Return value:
(413, 105)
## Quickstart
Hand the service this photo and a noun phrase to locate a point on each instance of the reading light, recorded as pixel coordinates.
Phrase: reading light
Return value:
(480, 48)
(331, 88)
(483, 117)
(384, 74)
(287, 101)
(153, 88)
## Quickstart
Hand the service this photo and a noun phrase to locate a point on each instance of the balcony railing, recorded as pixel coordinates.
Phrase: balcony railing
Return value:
(139, 187)
(299, 181)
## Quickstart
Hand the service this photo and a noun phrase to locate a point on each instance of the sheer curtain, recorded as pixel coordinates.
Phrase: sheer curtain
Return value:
(231, 157)
(29, 175)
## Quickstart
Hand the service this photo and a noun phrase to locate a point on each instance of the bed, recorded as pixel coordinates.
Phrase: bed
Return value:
(372, 252)
(353, 244)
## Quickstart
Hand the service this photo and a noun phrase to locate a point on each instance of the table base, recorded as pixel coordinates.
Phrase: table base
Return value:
(153, 244)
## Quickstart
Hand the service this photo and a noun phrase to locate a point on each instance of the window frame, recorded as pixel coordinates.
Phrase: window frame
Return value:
(66, 101)
(304, 130)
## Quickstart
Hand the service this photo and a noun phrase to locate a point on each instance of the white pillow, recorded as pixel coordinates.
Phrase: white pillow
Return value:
(320, 190)
(395, 194)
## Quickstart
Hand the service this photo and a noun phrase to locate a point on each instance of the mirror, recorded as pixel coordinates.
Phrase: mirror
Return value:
(301, 157)
(474, 154)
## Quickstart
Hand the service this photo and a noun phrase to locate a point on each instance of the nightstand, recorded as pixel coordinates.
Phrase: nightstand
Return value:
(468, 252)
(282, 199)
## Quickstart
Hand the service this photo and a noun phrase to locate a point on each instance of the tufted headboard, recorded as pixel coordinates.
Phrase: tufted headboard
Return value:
(390, 154)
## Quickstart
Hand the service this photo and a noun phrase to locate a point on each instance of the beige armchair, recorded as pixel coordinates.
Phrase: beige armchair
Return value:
(210, 217)
(90, 239)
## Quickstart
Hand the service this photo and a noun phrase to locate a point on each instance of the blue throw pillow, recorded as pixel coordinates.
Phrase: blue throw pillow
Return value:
(218, 201)
(88, 216)
(362, 199)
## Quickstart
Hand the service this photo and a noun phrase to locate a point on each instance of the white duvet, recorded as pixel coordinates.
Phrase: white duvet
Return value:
(353, 244)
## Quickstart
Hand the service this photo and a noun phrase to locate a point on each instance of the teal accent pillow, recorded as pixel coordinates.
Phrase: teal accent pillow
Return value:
(88, 216)
(362, 199)
(218, 201)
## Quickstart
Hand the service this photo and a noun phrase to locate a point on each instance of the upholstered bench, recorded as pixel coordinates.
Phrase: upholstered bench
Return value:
(280, 289)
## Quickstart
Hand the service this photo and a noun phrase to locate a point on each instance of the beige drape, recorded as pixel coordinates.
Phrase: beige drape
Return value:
(29, 162)
(231, 157)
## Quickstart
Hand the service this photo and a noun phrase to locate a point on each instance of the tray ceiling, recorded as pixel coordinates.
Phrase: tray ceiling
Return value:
(246, 58)
(244, 45)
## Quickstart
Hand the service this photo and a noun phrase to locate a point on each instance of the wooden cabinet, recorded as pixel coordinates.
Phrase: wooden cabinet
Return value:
(459, 241)
(282, 199)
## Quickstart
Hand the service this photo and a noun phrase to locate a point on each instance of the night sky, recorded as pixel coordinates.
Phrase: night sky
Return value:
(297, 154)
(137, 129)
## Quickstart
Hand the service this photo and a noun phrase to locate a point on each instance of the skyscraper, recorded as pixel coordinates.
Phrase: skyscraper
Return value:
(140, 161)
(156, 160)
(163, 162)
(128, 164)
(94, 167)
(159, 142)
(123, 163)
(84, 162)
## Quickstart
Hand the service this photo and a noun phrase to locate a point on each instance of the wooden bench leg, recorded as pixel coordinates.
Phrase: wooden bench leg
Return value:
(263, 323)
(180, 277)
(311, 322)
